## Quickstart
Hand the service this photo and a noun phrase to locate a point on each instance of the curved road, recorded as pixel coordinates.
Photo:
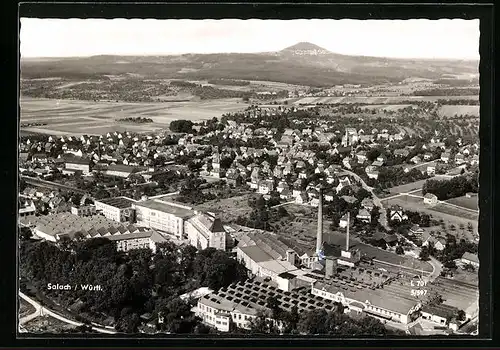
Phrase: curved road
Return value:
(43, 310)
(382, 218)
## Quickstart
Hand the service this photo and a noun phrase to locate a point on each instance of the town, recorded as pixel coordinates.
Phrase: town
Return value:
(267, 184)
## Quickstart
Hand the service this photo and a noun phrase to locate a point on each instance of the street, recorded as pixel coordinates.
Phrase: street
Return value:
(382, 218)
(40, 310)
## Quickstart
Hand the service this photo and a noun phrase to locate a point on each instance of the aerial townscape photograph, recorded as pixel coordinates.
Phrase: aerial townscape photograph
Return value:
(308, 177)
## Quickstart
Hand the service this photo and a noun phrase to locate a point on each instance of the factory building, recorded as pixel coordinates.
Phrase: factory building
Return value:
(118, 209)
(163, 215)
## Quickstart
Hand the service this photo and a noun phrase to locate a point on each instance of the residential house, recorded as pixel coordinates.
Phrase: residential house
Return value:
(372, 172)
(302, 198)
(431, 169)
(401, 153)
(416, 230)
(286, 194)
(266, 186)
(427, 156)
(469, 258)
(445, 157)
(364, 215)
(298, 187)
(430, 199)
(367, 204)
(361, 156)
(282, 185)
(343, 221)
(416, 160)
(474, 160)
(397, 213)
(329, 195)
(343, 183)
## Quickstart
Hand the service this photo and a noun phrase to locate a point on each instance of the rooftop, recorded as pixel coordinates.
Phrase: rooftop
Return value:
(251, 295)
(255, 253)
(155, 236)
(165, 207)
(118, 202)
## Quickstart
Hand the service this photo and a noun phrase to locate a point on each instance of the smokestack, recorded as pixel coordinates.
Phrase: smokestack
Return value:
(319, 237)
(347, 235)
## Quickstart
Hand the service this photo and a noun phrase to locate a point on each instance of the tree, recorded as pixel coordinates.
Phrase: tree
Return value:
(424, 254)
(461, 315)
(24, 233)
(399, 250)
(282, 212)
(128, 323)
(181, 126)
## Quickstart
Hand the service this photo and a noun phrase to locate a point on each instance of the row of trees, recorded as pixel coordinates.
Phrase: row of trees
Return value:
(455, 187)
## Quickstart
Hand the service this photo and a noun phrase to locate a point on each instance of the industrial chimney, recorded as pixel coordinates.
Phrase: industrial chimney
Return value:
(319, 237)
(347, 234)
(346, 253)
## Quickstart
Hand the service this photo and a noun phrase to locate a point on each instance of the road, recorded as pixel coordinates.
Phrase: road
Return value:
(41, 310)
(49, 184)
(382, 218)
(282, 204)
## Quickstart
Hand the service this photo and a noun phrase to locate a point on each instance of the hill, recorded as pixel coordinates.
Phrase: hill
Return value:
(302, 64)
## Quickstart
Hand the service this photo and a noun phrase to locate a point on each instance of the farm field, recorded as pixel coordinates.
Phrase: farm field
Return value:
(469, 203)
(386, 107)
(451, 110)
(379, 100)
(65, 117)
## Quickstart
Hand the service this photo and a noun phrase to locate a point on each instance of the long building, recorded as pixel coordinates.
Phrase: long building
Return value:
(240, 303)
(137, 240)
(118, 209)
(163, 215)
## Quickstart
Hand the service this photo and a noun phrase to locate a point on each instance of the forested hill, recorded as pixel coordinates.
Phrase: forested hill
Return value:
(302, 64)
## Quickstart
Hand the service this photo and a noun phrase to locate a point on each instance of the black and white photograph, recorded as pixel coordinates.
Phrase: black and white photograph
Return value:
(248, 177)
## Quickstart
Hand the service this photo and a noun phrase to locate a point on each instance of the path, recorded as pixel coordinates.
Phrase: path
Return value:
(41, 310)
(38, 310)
(282, 204)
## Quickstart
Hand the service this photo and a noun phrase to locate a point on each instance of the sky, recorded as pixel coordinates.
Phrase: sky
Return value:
(418, 38)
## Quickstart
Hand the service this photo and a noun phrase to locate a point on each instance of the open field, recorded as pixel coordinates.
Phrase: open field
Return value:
(386, 107)
(375, 99)
(469, 203)
(417, 185)
(64, 117)
(451, 110)
(229, 209)
(449, 214)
